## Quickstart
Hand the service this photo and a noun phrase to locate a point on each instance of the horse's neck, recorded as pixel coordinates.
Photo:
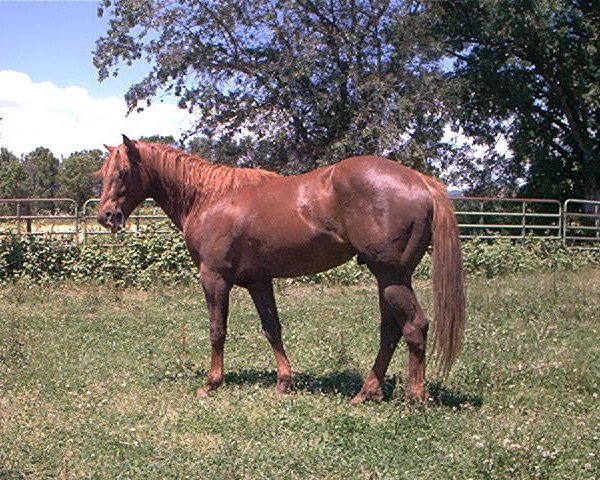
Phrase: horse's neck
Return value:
(175, 209)
(172, 189)
(183, 185)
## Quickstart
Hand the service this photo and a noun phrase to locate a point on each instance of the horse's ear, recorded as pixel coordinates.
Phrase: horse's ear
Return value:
(110, 149)
(132, 149)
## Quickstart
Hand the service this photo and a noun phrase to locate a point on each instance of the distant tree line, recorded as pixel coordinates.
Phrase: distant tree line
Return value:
(40, 174)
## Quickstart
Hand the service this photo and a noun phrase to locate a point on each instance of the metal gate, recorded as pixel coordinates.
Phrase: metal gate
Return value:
(40, 216)
(581, 226)
(509, 218)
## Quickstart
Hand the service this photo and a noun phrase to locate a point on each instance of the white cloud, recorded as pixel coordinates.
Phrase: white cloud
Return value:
(66, 120)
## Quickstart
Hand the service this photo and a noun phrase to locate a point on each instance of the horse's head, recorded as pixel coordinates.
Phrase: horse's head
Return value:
(123, 185)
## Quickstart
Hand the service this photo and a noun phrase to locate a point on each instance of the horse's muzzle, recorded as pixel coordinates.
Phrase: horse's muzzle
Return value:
(113, 220)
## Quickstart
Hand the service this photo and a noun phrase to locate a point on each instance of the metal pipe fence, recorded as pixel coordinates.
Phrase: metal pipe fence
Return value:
(144, 216)
(581, 226)
(40, 216)
(509, 218)
(575, 222)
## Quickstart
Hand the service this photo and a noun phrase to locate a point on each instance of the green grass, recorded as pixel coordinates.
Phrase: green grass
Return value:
(98, 382)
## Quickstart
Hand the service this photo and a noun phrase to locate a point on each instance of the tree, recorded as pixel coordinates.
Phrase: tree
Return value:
(42, 169)
(14, 181)
(75, 177)
(166, 140)
(530, 71)
(296, 82)
(231, 152)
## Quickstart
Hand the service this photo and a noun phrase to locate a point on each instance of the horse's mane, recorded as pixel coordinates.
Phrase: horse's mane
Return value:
(193, 171)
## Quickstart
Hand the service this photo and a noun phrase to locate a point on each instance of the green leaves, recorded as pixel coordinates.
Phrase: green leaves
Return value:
(308, 82)
(159, 255)
(42, 168)
(75, 176)
(529, 71)
(13, 176)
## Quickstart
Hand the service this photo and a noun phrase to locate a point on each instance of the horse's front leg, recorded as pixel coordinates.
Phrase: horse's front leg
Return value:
(216, 290)
(264, 300)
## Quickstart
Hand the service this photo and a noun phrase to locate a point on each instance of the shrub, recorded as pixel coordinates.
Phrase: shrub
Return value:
(159, 254)
(502, 257)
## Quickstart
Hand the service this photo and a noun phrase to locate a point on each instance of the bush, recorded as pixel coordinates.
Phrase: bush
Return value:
(502, 257)
(36, 258)
(160, 255)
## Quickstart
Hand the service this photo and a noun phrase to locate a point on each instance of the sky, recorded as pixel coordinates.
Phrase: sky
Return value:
(50, 95)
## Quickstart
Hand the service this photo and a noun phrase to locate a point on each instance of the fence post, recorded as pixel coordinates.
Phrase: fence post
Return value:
(523, 220)
(18, 219)
(84, 221)
(76, 224)
(565, 220)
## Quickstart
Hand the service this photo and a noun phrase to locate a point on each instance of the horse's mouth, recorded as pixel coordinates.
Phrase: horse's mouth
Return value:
(113, 221)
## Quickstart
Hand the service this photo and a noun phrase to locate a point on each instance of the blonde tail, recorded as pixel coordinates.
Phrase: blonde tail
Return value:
(448, 280)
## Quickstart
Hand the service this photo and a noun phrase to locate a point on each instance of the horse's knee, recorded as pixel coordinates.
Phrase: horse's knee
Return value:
(217, 335)
(401, 299)
(415, 332)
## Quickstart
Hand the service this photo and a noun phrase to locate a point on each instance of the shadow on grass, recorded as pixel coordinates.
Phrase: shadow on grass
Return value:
(449, 398)
(346, 383)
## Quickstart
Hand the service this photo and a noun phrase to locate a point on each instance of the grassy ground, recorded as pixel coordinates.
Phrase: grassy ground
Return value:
(97, 382)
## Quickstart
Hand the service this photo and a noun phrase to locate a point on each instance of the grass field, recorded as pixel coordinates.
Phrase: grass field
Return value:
(98, 382)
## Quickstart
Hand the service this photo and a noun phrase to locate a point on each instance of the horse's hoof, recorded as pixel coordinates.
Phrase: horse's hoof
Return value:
(285, 385)
(417, 395)
(367, 396)
(203, 393)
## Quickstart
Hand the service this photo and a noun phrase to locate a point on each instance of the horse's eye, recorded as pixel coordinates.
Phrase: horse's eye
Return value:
(122, 174)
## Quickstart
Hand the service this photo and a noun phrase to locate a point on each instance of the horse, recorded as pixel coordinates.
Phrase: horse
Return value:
(245, 227)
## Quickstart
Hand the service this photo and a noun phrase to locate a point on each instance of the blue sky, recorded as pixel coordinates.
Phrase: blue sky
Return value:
(53, 41)
(49, 89)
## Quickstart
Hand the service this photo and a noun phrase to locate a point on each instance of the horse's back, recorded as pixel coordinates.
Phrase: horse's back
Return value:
(368, 205)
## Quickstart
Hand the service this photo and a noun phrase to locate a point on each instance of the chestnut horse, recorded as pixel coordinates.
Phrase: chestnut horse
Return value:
(247, 226)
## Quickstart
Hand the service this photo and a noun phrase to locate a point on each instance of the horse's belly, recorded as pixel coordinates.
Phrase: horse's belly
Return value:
(292, 259)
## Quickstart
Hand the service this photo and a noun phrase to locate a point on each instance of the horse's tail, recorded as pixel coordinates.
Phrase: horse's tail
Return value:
(448, 280)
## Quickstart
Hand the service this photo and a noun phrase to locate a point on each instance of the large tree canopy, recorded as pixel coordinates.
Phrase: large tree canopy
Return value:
(290, 84)
(308, 81)
(529, 70)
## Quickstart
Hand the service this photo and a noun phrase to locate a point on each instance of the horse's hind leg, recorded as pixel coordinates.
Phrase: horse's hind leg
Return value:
(401, 315)
(390, 334)
(264, 300)
(415, 335)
